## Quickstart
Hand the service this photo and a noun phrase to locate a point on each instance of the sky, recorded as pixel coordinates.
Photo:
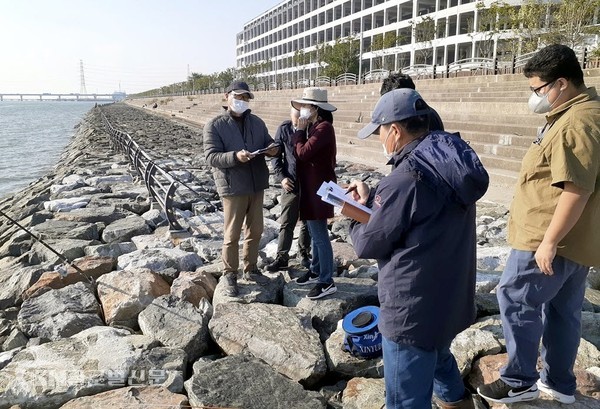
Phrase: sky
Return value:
(125, 45)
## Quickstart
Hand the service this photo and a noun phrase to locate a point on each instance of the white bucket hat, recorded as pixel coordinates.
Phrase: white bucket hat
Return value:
(314, 96)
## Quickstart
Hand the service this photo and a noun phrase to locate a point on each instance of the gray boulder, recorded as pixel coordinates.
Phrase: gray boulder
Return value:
(160, 259)
(281, 337)
(15, 279)
(60, 313)
(240, 381)
(69, 248)
(178, 324)
(124, 229)
(131, 397)
(270, 292)
(64, 229)
(48, 375)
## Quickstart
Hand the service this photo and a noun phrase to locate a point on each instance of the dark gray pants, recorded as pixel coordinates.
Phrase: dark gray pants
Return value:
(290, 211)
(534, 305)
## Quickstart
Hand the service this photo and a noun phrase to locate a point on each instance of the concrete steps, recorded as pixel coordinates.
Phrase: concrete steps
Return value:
(490, 112)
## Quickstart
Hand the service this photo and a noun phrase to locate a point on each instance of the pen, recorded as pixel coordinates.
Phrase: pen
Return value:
(363, 179)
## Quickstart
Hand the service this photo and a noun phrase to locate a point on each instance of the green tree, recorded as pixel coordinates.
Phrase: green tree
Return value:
(571, 21)
(424, 33)
(491, 23)
(340, 57)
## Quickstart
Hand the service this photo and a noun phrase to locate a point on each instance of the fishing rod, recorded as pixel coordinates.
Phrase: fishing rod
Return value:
(42, 242)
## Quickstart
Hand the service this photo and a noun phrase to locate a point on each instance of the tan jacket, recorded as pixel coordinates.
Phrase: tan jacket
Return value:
(568, 152)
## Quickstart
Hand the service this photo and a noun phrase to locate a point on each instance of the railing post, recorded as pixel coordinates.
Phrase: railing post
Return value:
(584, 62)
(447, 70)
(433, 71)
(496, 66)
(514, 64)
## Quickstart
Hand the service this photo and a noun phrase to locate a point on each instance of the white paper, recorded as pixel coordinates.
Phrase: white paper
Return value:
(336, 195)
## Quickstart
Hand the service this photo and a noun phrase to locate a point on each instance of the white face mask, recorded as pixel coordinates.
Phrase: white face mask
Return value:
(238, 106)
(540, 104)
(388, 155)
(305, 113)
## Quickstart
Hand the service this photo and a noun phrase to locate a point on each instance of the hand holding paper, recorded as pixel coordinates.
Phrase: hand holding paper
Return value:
(333, 194)
(272, 146)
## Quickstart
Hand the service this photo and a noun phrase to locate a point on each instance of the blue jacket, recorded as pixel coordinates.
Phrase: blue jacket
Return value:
(422, 233)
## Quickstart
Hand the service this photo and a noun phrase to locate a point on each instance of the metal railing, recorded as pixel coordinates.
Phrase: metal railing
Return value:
(160, 184)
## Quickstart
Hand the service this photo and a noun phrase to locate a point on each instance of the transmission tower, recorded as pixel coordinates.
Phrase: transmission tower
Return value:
(82, 89)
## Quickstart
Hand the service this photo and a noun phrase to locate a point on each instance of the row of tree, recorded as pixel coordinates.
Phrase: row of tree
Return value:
(500, 28)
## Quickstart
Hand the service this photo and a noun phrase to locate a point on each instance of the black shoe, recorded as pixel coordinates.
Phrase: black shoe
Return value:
(255, 276)
(305, 262)
(230, 288)
(499, 391)
(308, 278)
(321, 290)
(279, 264)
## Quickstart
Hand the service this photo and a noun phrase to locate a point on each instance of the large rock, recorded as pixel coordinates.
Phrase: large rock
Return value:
(90, 268)
(245, 382)
(280, 336)
(66, 205)
(14, 280)
(106, 215)
(364, 393)
(160, 259)
(130, 397)
(192, 286)
(126, 293)
(49, 375)
(124, 229)
(351, 293)
(68, 248)
(113, 250)
(64, 229)
(270, 292)
(179, 324)
(60, 313)
(470, 344)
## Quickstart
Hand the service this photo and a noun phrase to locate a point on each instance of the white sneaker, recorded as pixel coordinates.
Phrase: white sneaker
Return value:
(561, 397)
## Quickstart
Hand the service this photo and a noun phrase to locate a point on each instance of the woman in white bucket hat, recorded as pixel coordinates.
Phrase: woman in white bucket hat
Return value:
(315, 149)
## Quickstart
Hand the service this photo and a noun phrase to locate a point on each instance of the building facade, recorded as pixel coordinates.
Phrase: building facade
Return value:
(270, 42)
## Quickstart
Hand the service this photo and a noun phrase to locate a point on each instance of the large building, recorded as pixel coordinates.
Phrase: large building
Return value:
(273, 38)
(270, 42)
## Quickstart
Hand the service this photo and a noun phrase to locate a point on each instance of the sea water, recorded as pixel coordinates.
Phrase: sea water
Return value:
(33, 135)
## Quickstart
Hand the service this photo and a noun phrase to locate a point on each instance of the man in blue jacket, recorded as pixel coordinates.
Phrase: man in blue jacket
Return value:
(231, 142)
(422, 233)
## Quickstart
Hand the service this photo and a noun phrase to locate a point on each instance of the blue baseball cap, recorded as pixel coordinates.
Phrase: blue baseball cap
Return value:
(396, 105)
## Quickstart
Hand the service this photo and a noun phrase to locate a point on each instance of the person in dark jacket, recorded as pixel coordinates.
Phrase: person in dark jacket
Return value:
(315, 150)
(422, 234)
(231, 144)
(284, 166)
(398, 80)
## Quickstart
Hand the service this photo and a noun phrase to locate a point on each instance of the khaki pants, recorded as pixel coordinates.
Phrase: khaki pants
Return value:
(238, 211)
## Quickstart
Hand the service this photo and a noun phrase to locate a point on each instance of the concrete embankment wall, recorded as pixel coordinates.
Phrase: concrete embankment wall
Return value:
(490, 111)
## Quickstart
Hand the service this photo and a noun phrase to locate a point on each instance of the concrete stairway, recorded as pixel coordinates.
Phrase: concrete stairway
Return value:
(490, 112)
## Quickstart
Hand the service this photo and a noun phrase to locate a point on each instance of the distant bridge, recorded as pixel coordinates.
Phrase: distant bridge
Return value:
(46, 96)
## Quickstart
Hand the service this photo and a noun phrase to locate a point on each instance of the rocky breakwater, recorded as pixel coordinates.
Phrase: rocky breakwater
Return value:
(136, 317)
